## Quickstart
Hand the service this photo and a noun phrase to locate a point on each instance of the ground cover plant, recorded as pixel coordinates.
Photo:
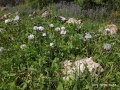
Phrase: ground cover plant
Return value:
(33, 50)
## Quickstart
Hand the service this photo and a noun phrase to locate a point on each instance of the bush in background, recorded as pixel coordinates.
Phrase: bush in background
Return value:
(38, 3)
(11, 2)
(110, 4)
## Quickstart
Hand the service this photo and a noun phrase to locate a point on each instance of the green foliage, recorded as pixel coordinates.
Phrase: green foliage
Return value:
(111, 4)
(39, 66)
(60, 86)
(97, 1)
(38, 3)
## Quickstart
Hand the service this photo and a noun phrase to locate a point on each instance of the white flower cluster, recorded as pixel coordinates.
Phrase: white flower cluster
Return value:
(7, 21)
(57, 29)
(16, 19)
(44, 34)
(31, 36)
(87, 36)
(78, 67)
(61, 30)
(40, 28)
(36, 28)
(23, 46)
(51, 44)
(107, 46)
(51, 25)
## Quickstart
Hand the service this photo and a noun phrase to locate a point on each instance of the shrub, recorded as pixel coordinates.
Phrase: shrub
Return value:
(38, 3)
(11, 2)
(110, 4)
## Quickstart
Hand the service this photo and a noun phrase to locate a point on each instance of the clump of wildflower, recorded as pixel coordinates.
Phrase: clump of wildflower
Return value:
(40, 28)
(51, 44)
(87, 36)
(7, 21)
(62, 28)
(57, 29)
(62, 32)
(16, 19)
(107, 47)
(35, 28)
(1, 49)
(31, 36)
(44, 34)
(23, 46)
(51, 25)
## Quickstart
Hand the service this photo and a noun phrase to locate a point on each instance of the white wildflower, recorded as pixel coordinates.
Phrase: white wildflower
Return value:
(57, 29)
(23, 46)
(51, 44)
(44, 34)
(35, 28)
(40, 28)
(31, 36)
(17, 18)
(1, 49)
(107, 47)
(51, 25)
(88, 36)
(63, 32)
(7, 21)
(62, 28)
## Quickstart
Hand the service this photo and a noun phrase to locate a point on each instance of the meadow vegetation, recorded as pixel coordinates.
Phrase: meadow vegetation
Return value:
(34, 48)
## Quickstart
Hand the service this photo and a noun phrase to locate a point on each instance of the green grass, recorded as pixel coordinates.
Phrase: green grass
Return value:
(39, 66)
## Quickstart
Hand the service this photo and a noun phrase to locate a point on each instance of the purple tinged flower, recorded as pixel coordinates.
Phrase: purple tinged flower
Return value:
(107, 47)
(88, 36)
